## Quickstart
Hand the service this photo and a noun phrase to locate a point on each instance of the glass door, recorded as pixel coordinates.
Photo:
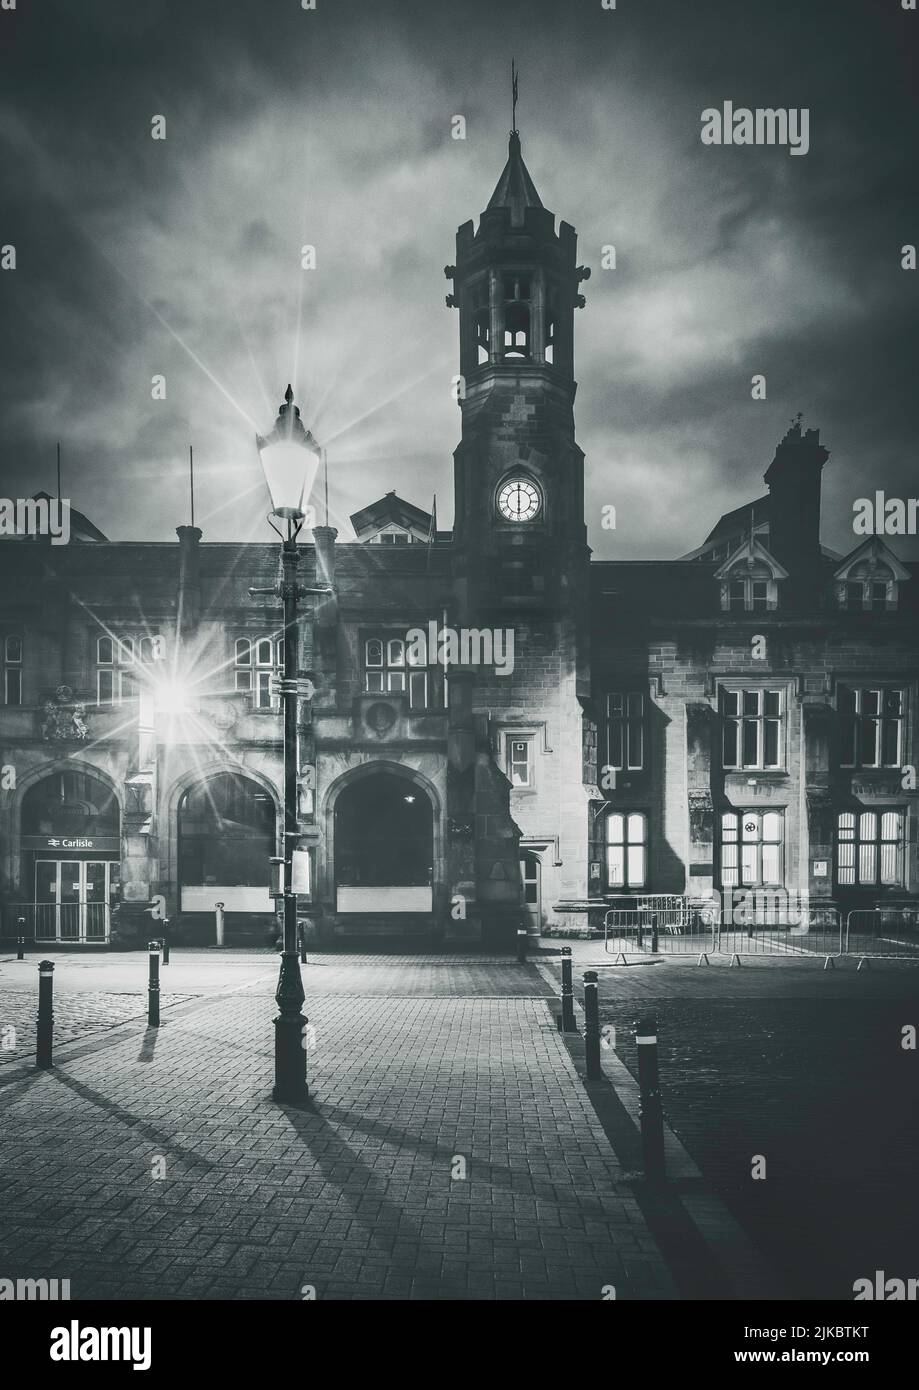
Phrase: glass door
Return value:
(95, 900)
(70, 900)
(46, 899)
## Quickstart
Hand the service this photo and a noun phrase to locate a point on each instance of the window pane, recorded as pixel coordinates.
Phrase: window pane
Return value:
(847, 862)
(871, 702)
(636, 703)
(750, 825)
(13, 688)
(243, 653)
(636, 827)
(891, 825)
(615, 866)
(615, 739)
(417, 653)
(636, 736)
(890, 742)
(847, 825)
(868, 751)
(772, 863)
(615, 829)
(636, 863)
(867, 826)
(104, 650)
(243, 680)
(772, 826)
(373, 653)
(867, 863)
(729, 826)
(263, 653)
(890, 864)
(773, 702)
(731, 701)
(14, 650)
(615, 703)
(729, 865)
(395, 652)
(748, 864)
(771, 742)
(396, 682)
(105, 687)
(375, 682)
(750, 742)
(751, 700)
(893, 702)
(146, 649)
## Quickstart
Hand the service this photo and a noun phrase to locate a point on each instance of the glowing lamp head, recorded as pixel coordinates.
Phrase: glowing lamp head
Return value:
(290, 458)
(171, 698)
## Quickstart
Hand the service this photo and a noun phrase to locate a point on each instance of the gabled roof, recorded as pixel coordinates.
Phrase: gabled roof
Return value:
(872, 549)
(740, 519)
(388, 510)
(751, 551)
(515, 189)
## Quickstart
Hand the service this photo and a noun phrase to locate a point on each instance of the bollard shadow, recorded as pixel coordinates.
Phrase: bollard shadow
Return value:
(148, 1046)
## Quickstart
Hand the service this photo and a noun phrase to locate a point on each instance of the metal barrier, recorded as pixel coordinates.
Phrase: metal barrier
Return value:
(77, 922)
(888, 932)
(759, 923)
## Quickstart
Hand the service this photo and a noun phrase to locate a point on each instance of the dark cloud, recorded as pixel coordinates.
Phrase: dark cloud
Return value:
(332, 128)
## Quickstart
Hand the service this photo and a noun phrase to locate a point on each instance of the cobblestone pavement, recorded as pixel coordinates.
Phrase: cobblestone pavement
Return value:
(802, 1066)
(449, 1150)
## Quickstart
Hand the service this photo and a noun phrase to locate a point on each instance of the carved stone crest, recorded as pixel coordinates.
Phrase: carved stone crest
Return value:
(63, 718)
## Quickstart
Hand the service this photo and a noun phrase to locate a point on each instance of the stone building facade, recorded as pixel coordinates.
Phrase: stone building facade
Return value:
(502, 731)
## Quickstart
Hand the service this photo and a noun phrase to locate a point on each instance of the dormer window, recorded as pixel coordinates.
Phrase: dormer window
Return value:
(750, 579)
(869, 580)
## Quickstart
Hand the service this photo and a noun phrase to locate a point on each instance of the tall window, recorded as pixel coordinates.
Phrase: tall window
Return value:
(751, 728)
(259, 662)
(123, 663)
(12, 670)
(750, 595)
(869, 848)
(478, 294)
(625, 729)
(751, 849)
(395, 667)
(626, 850)
(871, 726)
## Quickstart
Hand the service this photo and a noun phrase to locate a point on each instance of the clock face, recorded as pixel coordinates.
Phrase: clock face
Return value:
(519, 500)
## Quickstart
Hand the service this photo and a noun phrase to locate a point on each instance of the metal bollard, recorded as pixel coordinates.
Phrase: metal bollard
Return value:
(651, 1111)
(21, 941)
(218, 909)
(153, 986)
(164, 943)
(45, 1013)
(592, 1026)
(655, 937)
(566, 1021)
(521, 944)
(301, 938)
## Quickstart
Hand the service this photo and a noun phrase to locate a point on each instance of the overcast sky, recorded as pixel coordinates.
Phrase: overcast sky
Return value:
(332, 127)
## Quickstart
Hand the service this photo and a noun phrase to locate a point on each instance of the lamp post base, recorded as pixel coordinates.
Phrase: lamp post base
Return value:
(289, 1036)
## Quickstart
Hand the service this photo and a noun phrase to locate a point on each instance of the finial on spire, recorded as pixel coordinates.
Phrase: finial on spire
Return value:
(513, 98)
(289, 393)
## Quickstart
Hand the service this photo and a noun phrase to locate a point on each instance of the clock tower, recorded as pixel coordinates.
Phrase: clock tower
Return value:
(519, 474)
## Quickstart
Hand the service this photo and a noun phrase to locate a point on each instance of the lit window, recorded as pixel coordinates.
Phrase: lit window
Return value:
(12, 670)
(258, 665)
(752, 849)
(871, 726)
(388, 669)
(751, 728)
(625, 729)
(626, 850)
(869, 849)
(520, 760)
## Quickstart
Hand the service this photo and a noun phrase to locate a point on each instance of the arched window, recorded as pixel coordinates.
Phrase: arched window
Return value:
(226, 833)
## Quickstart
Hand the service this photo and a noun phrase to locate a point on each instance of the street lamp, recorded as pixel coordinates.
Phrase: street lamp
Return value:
(290, 458)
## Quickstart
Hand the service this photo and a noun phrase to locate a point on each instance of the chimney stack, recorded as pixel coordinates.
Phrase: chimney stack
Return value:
(793, 478)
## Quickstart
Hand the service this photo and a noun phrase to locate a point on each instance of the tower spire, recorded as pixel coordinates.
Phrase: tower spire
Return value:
(514, 76)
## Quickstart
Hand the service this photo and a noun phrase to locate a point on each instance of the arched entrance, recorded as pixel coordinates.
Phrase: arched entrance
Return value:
(71, 856)
(384, 846)
(226, 838)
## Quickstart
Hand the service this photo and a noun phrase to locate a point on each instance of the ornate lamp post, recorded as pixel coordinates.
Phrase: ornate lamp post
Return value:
(290, 458)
